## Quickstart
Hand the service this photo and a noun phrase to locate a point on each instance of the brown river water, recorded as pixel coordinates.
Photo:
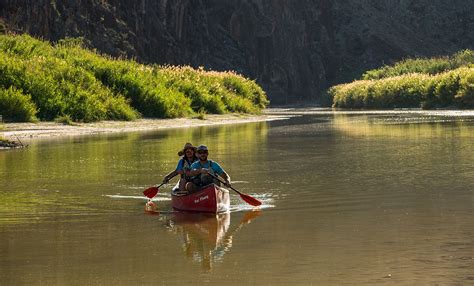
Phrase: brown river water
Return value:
(349, 198)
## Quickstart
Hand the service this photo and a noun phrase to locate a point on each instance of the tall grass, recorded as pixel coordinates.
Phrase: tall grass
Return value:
(431, 66)
(412, 83)
(449, 89)
(66, 79)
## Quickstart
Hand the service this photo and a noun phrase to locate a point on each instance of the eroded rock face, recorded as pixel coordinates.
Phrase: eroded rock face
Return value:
(294, 49)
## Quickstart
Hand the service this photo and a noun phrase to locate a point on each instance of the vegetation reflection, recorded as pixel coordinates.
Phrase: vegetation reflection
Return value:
(401, 126)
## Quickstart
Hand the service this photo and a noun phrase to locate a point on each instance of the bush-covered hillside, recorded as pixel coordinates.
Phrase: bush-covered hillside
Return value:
(40, 80)
(427, 83)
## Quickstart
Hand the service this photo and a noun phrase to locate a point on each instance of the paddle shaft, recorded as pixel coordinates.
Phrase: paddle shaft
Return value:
(248, 199)
(162, 184)
(159, 186)
(219, 179)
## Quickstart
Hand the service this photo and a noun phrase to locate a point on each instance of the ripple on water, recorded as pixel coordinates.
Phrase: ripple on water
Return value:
(155, 199)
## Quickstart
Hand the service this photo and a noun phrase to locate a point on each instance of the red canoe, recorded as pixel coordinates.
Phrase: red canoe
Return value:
(211, 199)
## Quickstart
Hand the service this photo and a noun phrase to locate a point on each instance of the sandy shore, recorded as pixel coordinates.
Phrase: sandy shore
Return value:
(13, 131)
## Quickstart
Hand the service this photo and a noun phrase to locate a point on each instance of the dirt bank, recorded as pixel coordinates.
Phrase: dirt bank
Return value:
(13, 131)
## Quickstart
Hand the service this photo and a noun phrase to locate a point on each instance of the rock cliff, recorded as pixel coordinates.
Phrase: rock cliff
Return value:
(294, 49)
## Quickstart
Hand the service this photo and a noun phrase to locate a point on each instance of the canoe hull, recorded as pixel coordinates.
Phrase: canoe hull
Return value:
(211, 199)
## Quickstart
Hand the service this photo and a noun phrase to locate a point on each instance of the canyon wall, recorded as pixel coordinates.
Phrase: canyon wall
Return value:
(294, 49)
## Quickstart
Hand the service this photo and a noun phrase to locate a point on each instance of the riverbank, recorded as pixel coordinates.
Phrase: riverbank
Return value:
(430, 83)
(13, 131)
(65, 80)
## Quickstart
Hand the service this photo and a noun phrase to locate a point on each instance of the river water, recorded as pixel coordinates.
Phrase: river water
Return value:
(349, 198)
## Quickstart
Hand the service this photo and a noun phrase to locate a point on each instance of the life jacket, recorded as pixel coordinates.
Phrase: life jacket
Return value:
(186, 167)
(205, 179)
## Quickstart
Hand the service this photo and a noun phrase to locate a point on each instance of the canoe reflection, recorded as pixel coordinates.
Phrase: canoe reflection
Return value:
(205, 238)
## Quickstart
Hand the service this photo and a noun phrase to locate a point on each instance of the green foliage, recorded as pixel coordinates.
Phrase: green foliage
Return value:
(247, 89)
(65, 119)
(431, 66)
(24, 46)
(201, 100)
(16, 106)
(67, 80)
(450, 89)
(465, 94)
(144, 90)
(200, 115)
(70, 43)
(59, 89)
(215, 92)
(56, 87)
(427, 83)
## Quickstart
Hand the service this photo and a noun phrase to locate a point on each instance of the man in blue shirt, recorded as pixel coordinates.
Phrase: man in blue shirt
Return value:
(200, 171)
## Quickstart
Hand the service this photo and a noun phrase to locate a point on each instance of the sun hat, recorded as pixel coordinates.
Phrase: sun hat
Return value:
(186, 146)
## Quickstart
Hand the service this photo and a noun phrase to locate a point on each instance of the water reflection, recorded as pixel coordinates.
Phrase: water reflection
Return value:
(205, 238)
(71, 175)
(402, 125)
(357, 197)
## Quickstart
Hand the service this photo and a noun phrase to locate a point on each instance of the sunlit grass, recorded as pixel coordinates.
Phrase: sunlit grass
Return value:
(443, 82)
(454, 89)
(49, 81)
(66, 120)
(431, 66)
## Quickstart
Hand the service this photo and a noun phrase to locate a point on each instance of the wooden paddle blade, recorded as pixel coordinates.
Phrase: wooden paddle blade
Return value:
(151, 192)
(250, 200)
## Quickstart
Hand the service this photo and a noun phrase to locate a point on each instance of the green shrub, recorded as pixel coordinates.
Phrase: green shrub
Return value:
(59, 89)
(445, 88)
(16, 106)
(464, 58)
(67, 79)
(449, 89)
(464, 97)
(427, 83)
(430, 66)
(201, 115)
(201, 100)
(65, 119)
(25, 46)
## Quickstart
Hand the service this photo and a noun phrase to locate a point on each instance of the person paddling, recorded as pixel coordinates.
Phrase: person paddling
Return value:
(184, 166)
(201, 169)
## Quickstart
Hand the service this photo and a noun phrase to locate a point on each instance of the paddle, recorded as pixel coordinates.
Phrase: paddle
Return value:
(152, 191)
(248, 199)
